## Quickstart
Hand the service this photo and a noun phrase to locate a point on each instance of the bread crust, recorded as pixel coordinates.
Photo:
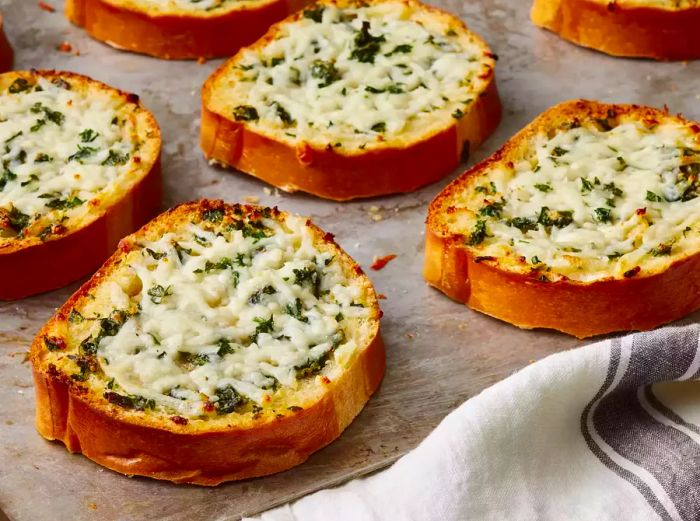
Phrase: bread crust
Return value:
(6, 52)
(80, 250)
(631, 31)
(177, 36)
(340, 174)
(642, 301)
(185, 453)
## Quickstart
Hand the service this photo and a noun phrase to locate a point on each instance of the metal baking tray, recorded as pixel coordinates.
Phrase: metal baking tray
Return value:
(439, 353)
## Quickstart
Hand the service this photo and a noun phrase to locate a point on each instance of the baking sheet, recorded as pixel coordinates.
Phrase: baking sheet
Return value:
(438, 352)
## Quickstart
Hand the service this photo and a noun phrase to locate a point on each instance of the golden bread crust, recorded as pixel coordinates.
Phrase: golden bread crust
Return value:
(393, 166)
(622, 30)
(83, 243)
(185, 35)
(231, 447)
(642, 299)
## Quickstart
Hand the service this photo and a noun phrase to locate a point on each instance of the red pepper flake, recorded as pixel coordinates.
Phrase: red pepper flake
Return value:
(381, 296)
(325, 380)
(379, 262)
(47, 7)
(64, 47)
(209, 407)
(641, 211)
(178, 420)
(631, 273)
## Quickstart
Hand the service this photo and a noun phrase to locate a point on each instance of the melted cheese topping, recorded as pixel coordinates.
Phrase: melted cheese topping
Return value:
(256, 310)
(61, 148)
(357, 76)
(592, 202)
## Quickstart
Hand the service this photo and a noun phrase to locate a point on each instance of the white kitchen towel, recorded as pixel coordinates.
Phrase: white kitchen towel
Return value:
(580, 435)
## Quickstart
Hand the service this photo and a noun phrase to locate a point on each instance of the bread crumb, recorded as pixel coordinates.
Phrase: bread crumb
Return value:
(92, 506)
(201, 60)
(267, 191)
(410, 336)
(47, 7)
(64, 47)
(375, 213)
(381, 296)
(251, 199)
(380, 262)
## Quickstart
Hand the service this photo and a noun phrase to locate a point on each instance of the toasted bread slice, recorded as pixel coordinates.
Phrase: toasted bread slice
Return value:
(179, 29)
(218, 343)
(586, 221)
(353, 98)
(6, 52)
(81, 169)
(659, 29)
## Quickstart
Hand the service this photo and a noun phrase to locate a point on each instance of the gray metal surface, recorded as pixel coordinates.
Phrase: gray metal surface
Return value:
(439, 353)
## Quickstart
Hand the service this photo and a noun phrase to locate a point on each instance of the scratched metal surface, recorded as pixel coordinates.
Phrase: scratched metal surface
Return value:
(439, 353)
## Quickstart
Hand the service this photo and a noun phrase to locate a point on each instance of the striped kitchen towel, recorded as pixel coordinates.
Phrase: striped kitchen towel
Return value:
(609, 431)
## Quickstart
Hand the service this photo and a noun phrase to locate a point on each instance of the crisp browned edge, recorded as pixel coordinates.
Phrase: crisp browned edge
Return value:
(37, 266)
(332, 174)
(6, 52)
(645, 32)
(65, 411)
(581, 309)
(177, 37)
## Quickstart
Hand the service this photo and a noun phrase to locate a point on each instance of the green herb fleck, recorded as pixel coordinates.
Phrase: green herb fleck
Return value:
(158, 293)
(245, 113)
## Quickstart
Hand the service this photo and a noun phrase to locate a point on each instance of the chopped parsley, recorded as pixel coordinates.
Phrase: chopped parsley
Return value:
(158, 293)
(651, 196)
(662, 250)
(228, 400)
(366, 45)
(404, 48)
(493, 209)
(283, 114)
(478, 234)
(556, 218)
(213, 216)
(82, 153)
(603, 215)
(524, 224)
(245, 113)
(295, 310)
(88, 135)
(324, 71)
(19, 85)
(314, 13)
(115, 158)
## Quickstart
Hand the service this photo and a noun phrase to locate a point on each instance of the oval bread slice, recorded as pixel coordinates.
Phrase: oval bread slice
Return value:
(660, 29)
(353, 99)
(220, 342)
(179, 29)
(587, 221)
(80, 170)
